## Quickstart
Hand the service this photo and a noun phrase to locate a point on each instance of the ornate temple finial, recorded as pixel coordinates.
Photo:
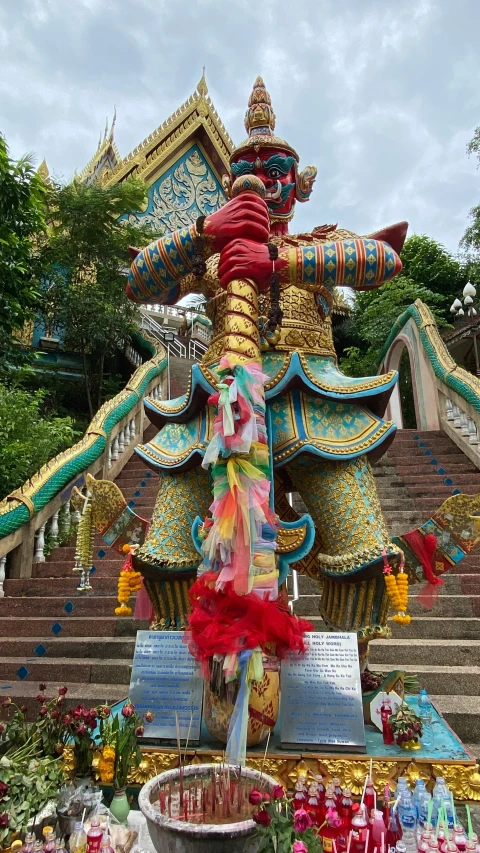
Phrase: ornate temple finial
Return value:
(110, 136)
(202, 87)
(43, 170)
(259, 117)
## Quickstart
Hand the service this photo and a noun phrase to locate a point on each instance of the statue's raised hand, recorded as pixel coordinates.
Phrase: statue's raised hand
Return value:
(243, 217)
(246, 259)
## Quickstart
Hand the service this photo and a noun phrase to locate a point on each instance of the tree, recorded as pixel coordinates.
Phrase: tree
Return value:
(430, 265)
(471, 239)
(28, 439)
(21, 230)
(87, 255)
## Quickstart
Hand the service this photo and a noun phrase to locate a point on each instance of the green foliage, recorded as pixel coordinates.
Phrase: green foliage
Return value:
(430, 265)
(87, 259)
(471, 239)
(28, 439)
(31, 780)
(21, 231)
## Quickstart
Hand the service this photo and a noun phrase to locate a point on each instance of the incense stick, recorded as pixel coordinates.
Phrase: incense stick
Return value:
(265, 756)
(188, 737)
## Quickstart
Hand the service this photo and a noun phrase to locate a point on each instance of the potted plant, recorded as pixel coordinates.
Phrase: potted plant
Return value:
(119, 752)
(407, 728)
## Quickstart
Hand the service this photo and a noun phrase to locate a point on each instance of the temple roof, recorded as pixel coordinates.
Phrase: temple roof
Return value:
(197, 117)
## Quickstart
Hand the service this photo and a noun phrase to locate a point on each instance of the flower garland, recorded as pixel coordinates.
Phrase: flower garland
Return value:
(397, 589)
(129, 582)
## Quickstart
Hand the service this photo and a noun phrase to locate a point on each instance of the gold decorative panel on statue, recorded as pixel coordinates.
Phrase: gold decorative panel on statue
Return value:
(262, 710)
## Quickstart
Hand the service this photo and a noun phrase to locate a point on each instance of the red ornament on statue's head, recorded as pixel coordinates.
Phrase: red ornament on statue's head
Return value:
(270, 159)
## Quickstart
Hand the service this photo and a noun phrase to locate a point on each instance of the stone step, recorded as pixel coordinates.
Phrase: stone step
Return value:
(451, 468)
(37, 587)
(86, 604)
(449, 606)
(58, 670)
(69, 647)
(396, 501)
(443, 680)
(462, 585)
(90, 695)
(426, 627)
(433, 479)
(106, 568)
(80, 626)
(441, 492)
(409, 652)
(461, 713)
(415, 452)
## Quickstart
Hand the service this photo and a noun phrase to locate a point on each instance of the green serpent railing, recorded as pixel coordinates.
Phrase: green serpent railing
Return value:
(22, 505)
(444, 366)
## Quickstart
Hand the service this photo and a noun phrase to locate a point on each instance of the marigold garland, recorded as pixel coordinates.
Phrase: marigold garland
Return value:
(129, 582)
(106, 764)
(397, 589)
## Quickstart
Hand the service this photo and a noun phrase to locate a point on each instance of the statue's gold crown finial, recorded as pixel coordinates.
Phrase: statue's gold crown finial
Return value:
(259, 115)
(260, 124)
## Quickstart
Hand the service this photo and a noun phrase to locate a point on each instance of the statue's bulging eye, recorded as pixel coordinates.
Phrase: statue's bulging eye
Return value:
(274, 173)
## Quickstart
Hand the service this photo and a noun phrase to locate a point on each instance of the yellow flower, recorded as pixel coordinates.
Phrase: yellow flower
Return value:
(108, 753)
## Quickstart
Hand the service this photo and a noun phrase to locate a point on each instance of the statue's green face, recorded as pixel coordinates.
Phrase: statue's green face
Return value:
(277, 170)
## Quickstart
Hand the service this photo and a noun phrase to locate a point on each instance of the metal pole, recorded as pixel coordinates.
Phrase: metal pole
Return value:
(475, 347)
(168, 371)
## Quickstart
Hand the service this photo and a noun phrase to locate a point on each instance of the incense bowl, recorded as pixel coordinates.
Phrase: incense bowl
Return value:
(262, 710)
(170, 835)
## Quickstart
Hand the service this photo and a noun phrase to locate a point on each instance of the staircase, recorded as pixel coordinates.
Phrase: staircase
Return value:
(441, 645)
(51, 633)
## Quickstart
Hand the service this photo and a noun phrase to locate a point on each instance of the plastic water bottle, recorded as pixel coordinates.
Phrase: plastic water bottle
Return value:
(418, 793)
(425, 712)
(408, 821)
(422, 810)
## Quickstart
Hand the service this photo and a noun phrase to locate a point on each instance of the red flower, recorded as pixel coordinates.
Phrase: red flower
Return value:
(6, 702)
(60, 700)
(23, 709)
(255, 797)
(82, 730)
(3, 789)
(62, 691)
(149, 716)
(266, 797)
(139, 731)
(262, 818)
(128, 709)
(104, 711)
(67, 720)
(301, 820)
(92, 713)
(4, 818)
(278, 792)
(2, 728)
(78, 712)
(43, 711)
(42, 687)
(299, 847)
(41, 698)
(55, 714)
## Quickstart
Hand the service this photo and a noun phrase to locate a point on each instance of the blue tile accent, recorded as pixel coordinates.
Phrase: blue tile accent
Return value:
(101, 553)
(433, 461)
(143, 484)
(131, 504)
(22, 673)
(427, 452)
(6, 686)
(93, 570)
(457, 492)
(40, 650)
(441, 471)
(148, 474)
(69, 607)
(416, 437)
(448, 481)
(137, 494)
(56, 628)
(422, 444)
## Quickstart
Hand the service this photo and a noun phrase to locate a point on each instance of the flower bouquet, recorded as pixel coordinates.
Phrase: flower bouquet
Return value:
(281, 827)
(407, 727)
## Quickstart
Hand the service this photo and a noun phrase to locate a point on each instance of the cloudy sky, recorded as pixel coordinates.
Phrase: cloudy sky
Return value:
(381, 95)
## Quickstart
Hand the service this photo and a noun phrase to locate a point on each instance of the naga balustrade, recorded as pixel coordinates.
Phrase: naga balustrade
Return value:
(446, 396)
(38, 517)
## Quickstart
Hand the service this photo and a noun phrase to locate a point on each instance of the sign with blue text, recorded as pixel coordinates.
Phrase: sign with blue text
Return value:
(165, 679)
(321, 695)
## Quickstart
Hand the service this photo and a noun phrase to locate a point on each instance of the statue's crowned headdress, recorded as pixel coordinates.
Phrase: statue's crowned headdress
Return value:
(260, 126)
